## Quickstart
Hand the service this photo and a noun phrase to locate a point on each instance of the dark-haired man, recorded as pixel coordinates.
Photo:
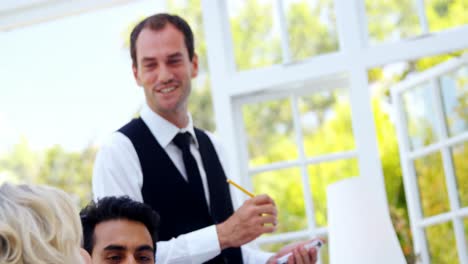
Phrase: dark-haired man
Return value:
(118, 230)
(162, 160)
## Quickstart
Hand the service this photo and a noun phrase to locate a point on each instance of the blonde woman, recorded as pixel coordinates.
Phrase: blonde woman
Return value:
(40, 225)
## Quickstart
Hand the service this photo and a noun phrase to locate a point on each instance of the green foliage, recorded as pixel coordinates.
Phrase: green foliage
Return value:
(459, 156)
(431, 182)
(429, 169)
(69, 171)
(308, 34)
(446, 14)
(255, 44)
(374, 75)
(285, 187)
(444, 250)
(391, 20)
(20, 163)
(333, 115)
(269, 128)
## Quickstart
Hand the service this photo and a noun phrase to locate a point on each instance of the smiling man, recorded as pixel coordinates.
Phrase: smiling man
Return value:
(163, 160)
(118, 230)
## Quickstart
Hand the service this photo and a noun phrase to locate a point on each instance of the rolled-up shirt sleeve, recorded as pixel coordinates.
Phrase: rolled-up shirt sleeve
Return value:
(194, 247)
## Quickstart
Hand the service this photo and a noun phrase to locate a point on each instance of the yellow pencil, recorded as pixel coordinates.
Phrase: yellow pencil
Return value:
(240, 188)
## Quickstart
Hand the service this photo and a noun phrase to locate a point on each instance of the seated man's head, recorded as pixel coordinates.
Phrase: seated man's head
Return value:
(120, 230)
(38, 224)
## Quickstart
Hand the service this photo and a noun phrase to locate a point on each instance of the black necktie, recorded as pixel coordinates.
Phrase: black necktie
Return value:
(182, 141)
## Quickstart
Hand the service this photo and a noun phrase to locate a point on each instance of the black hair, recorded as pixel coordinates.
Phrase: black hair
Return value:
(158, 22)
(115, 208)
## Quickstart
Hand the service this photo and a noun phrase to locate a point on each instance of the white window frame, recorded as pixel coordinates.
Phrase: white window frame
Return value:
(442, 145)
(293, 93)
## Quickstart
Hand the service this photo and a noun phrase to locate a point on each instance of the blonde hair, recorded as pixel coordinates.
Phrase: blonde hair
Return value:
(38, 224)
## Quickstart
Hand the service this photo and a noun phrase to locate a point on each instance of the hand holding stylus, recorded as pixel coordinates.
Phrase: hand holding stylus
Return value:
(317, 244)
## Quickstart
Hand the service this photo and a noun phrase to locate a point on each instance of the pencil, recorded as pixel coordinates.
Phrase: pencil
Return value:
(240, 188)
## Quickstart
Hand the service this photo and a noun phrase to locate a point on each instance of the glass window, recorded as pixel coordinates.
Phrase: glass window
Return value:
(391, 20)
(445, 14)
(323, 174)
(324, 252)
(255, 34)
(460, 155)
(419, 108)
(324, 116)
(274, 247)
(431, 183)
(326, 122)
(441, 243)
(312, 28)
(285, 187)
(420, 116)
(455, 100)
(465, 223)
(270, 132)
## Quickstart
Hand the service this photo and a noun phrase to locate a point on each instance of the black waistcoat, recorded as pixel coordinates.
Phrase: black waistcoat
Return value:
(168, 193)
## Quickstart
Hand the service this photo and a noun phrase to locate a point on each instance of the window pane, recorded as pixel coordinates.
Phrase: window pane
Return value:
(455, 98)
(431, 183)
(420, 116)
(460, 155)
(323, 174)
(324, 252)
(312, 28)
(326, 122)
(270, 132)
(391, 20)
(441, 242)
(285, 187)
(465, 223)
(444, 14)
(256, 38)
(274, 247)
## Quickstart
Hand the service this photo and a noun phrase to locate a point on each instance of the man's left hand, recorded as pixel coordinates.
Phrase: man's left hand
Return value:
(299, 254)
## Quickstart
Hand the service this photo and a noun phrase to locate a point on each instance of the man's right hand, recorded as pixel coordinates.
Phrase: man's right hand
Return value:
(255, 217)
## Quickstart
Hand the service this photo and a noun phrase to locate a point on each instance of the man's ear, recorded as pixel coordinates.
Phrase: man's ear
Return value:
(86, 257)
(194, 65)
(135, 75)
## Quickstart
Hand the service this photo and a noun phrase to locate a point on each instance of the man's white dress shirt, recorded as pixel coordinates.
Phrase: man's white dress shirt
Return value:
(117, 172)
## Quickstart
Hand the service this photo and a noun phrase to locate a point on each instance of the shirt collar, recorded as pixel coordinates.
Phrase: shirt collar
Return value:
(163, 130)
